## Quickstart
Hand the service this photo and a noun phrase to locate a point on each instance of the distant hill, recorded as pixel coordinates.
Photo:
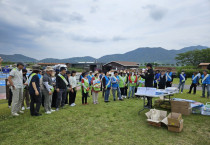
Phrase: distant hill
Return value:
(147, 54)
(17, 58)
(140, 55)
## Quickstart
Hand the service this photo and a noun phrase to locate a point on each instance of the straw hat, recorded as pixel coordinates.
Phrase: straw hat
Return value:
(49, 68)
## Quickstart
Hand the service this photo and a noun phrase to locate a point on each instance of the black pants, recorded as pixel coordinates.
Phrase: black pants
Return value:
(54, 98)
(126, 91)
(155, 85)
(61, 98)
(168, 84)
(193, 86)
(162, 86)
(67, 97)
(149, 102)
(123, 91)
(35, 100)
(84, 97)
(72, 96)
(10, 98)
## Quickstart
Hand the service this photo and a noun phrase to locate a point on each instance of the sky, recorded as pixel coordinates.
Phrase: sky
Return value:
(76, 28)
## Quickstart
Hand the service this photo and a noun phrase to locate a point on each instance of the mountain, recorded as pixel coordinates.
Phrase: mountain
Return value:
(69, 60)
(140, 55)
(17, 58)
(147, 54)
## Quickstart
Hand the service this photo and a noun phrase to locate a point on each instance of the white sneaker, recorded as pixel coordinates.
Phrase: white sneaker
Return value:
(72, 105)
(23, 108)
(15, 114)
(28, 108)
(9, 106)
(125, 96)
(57, 109)
(21, 112)
(52, 110)
(48, 112)
(181, 92)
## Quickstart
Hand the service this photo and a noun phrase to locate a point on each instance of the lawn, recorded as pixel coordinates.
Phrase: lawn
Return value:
(112, 123)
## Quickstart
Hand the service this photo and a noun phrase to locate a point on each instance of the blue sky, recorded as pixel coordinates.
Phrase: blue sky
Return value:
(72, 28)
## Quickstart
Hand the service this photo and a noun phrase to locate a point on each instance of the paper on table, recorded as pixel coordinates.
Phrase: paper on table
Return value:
(141, 90)
(150, 91)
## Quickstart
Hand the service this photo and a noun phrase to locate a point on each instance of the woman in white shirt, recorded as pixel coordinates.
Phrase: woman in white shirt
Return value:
(73, 85)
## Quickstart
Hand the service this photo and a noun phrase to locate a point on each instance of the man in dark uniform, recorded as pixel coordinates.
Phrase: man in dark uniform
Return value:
(149, 79)
(34, 91)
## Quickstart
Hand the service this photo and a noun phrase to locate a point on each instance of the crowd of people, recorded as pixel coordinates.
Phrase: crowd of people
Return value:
(56, 89)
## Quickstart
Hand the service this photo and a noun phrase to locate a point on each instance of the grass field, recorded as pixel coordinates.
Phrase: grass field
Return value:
(112, 123)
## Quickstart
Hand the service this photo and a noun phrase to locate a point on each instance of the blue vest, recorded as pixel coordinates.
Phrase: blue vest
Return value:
(181, 78)
(168, 79)
(207, 80)
(195, 81)
(114, 82)
(107, 81)
(157, 76)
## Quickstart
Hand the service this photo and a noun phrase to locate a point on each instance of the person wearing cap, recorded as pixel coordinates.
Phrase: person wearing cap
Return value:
(48, 89)
(96, 87)
(115, 86)
(85, 88)
(169, 78)
(149, 79)
(34, 91)
(123, 83)
(182, 79)
(16, 82)
(25, 91)
(62, 82)
(157, 78)
(205, 80)
(106, 86)
(132, 84)
(195, 80)
(73, 91)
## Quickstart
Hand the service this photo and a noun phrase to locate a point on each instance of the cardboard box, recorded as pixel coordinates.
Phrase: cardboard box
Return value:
(174, 119)
(161, 119)
(176, 129)
(182, 107)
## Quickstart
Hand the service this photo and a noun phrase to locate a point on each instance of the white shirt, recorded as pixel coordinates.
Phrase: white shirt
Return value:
(17, 77)
(73, 81)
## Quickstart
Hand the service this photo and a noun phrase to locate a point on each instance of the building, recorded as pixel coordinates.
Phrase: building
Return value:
(204, 66)
(119, 65)
(87, 66)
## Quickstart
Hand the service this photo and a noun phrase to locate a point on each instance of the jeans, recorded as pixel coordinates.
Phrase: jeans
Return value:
(181, 86)
(107, 92)
(131, 89)
(204, 87)
(61, 98)
(118, 92)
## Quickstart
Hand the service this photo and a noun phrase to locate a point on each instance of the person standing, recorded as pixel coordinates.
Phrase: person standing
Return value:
(182, 79)
(73, 91)
(156, 79)
(61, 87)
(34, 91)
(169, 78)
(48, 89)
(149, 79)
(67, 76)
(162, 81)
(107, 86)
(141, 81)
(25, 90)
(132, 81)
(16, 82)
(123, 84)
(195, 80)
(205, 84)
(115, 86)
(85, 88)
(96, 87)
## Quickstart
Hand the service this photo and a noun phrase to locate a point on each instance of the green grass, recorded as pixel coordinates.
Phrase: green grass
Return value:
(187, 82)
(113, 123)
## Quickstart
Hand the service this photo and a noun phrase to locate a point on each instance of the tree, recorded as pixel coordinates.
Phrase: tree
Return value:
(194, 57)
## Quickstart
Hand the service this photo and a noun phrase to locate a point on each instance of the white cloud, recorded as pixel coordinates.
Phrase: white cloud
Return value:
(69, 28)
